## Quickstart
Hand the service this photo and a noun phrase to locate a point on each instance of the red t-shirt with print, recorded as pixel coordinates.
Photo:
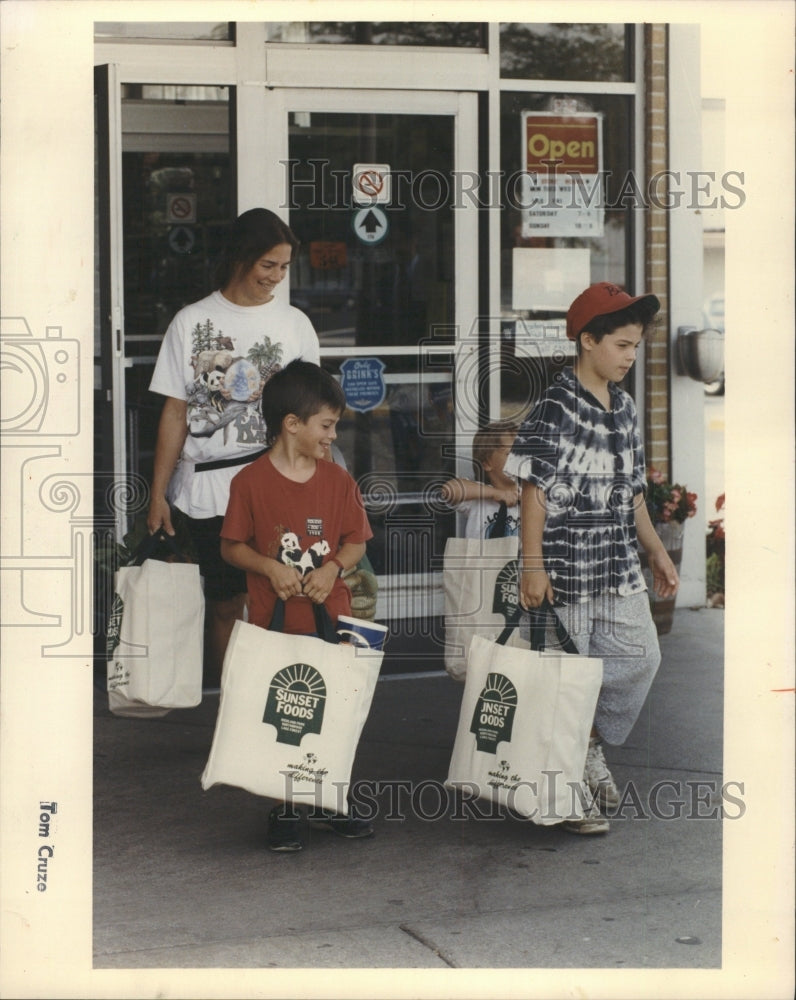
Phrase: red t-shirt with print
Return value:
(299, 524)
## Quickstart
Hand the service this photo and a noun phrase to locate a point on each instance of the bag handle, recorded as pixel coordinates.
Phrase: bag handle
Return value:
(539, 617)
(499, 528)
(511, 624)
(150, 545)
(323, 623)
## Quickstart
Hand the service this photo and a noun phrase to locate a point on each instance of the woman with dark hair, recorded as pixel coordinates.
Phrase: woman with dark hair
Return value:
(216, 356)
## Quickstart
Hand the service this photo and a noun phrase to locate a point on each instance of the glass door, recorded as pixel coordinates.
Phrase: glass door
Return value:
(387, 272)
(165, 192)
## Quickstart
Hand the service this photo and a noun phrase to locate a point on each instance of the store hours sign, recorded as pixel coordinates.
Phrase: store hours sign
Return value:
(560, 191)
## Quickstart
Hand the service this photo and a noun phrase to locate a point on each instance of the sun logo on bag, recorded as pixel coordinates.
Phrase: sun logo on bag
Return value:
(114, 627)
(505, 597)
(493, 717)
(295, 704)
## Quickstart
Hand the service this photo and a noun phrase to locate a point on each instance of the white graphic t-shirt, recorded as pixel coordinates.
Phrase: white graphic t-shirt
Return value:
(217, 356)
(481, 516)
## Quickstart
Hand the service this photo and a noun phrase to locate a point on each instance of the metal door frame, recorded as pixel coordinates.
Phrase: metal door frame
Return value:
(111, 268)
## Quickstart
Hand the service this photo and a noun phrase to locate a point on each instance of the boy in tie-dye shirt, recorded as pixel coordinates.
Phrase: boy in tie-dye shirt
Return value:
(581, 460)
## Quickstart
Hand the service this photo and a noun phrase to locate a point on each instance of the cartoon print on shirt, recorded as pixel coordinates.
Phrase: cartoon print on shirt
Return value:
(226, 389)
(313, 557)
(290, 553)
(512, 525)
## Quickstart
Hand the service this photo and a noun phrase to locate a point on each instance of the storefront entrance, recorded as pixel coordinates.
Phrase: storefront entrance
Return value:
(387, 272)
(385, 276)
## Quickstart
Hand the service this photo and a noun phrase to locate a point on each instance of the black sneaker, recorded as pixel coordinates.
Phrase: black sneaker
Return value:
(284, 830)
(344, 826)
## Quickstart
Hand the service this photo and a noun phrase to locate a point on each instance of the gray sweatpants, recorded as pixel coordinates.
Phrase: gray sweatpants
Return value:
(620, 631)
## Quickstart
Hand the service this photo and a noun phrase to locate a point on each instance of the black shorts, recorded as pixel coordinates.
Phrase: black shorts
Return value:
(222, 582)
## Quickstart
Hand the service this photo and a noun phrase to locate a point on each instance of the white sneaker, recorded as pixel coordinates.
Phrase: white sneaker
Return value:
(593, 821)
(598, 777)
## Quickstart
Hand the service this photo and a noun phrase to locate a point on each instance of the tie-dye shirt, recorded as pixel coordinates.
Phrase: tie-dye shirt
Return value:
(590, 463)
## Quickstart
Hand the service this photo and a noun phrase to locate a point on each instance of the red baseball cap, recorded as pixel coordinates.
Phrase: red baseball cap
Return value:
(600, 300)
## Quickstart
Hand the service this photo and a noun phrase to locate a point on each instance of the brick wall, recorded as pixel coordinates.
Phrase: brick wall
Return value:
(656, 276)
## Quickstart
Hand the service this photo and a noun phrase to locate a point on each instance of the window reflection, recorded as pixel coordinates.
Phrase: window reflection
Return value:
(533, 341)
(177, 200)
(190, 31)
(420, 33)
(394, 448)
(392, 291)
(566, 52)
(608, 253)
(396, 453)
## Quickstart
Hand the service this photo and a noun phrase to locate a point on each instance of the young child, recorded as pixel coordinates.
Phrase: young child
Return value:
(480, 499)
(581, 458)
(295, 522)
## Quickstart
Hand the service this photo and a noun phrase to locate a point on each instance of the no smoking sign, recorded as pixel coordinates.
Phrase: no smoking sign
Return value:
(371, 183)
(180, 208)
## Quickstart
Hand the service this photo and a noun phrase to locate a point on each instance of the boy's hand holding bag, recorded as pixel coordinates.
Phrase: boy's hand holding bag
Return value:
(154, 638)
(479, 578)
(524, 724)
(291, 712)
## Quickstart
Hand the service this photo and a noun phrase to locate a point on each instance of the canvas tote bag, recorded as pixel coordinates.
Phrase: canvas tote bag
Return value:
(291, 713)
(154, 639)
(479, 579)
(524, 724)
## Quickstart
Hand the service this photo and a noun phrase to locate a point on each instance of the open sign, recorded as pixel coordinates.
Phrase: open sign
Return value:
(561, 143)
(560, 187)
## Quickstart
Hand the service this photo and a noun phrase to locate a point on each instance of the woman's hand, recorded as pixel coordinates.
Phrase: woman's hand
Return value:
(159, 516)
(172, 431)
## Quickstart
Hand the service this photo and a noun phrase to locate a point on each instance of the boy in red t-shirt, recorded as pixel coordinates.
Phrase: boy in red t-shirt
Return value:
(295, 522)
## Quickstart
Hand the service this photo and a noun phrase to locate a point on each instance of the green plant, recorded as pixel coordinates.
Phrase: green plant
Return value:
(668, 501)
(714, 551)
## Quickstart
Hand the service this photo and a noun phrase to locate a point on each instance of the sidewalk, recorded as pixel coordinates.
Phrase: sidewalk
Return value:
(182, 878)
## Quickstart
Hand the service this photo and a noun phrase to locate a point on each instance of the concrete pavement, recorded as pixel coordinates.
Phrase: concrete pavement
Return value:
(182, 879)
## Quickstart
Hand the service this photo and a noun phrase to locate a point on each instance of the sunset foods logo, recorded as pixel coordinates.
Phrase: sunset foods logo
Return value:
(296, 702)
(114, 626)
(493, 717)
(118, 674)
(505, 595)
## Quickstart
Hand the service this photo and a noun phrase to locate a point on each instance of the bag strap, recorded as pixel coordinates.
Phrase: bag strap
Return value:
(499, 528)
(150, 545)
(512, 623)
(323, 623)
(228, 463)
(539, 618)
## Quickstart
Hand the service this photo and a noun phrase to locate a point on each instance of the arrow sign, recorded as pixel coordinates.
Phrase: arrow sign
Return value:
(371, 225)
(182, 239)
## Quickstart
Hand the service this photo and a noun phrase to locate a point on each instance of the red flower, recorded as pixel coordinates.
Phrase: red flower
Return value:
(668, 501)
